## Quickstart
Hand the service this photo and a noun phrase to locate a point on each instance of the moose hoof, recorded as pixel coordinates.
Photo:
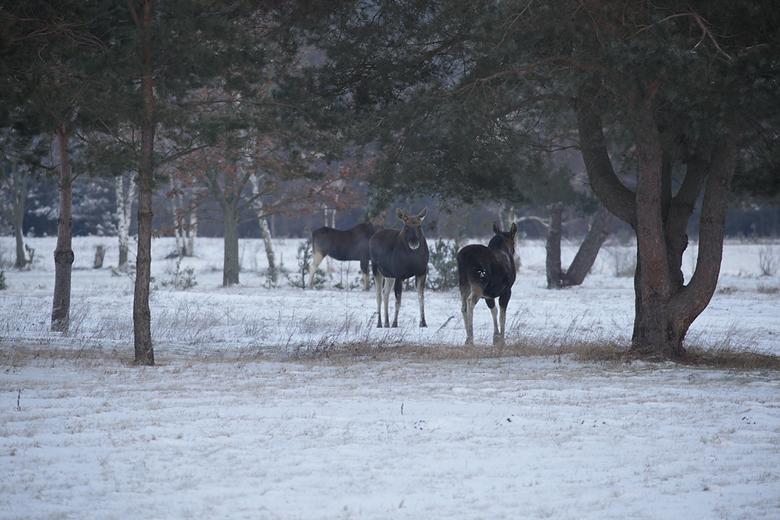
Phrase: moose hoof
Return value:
(395, 324)
(379, 325)
(423, 324)
(469, 341)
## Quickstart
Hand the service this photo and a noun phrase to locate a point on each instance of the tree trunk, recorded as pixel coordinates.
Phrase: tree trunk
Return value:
(588, 251)
(144, 352)
(178, 218)
(125, 193)
(553, 246)
(665, 306)
(192, 232)
(63, 253)
(20, 190)
(265, 231)
(230, 267)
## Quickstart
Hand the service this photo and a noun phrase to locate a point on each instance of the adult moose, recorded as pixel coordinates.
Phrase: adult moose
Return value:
(489, 273)
(349, 244)
(396, 256)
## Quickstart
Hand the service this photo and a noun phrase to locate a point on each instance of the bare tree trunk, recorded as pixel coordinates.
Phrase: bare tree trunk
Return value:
(20, 190)
(178, 224)
(230, 264)
(144, 352)
(125, 194)
(265, 231)
(588, 251)
(553, 246)
(192, 232)
(63, 253)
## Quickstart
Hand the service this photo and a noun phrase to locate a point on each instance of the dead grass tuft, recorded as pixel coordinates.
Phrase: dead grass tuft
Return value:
(384, 351)
(729, 357)
(767, 289)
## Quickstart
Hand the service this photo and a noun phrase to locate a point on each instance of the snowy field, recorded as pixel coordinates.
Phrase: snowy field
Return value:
(249, 416)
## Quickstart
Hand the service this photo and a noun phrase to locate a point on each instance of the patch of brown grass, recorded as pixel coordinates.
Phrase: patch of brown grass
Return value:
(377, 351)
(729, 357)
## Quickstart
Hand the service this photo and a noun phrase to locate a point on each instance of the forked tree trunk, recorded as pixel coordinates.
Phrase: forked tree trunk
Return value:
(144, 352)
(63, 253)
(586, 254)
(665, 307)
(230, 264)
(589, 250)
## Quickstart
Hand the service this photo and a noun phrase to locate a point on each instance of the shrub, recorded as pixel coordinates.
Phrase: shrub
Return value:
(179, 278)
(301, 275)
(767, 260)
(444, 260)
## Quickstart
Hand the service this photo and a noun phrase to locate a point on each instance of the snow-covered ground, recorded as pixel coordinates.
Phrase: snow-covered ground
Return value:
(233, 424)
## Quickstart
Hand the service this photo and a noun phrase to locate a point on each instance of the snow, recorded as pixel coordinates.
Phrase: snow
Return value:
(234, 423)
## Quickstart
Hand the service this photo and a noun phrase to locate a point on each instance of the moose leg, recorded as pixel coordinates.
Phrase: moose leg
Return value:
(465, 292)
(378, 280)
(491, 303)
(315, 263)
(503, 302)
(420, 281)
(399, 287)
(386, 288)
(472, 302)
(364, 270)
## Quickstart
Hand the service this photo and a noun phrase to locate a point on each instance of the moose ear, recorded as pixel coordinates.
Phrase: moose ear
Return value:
(422, 214)
(400, 214)
(496, 229)
(513, 229)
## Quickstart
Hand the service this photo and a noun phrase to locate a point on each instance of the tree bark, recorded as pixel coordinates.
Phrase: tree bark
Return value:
(652, 333)
(230, 264)
(265, 231)
(588, 251)
(125, 193)
(144, 352)
(553, 247)
(178, 218)
(665, 307)
(20, 190)
(63, 253)
(192, 232)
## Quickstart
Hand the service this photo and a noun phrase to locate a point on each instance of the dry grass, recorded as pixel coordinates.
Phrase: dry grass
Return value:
(734, 358)
(378, 351)
(721, 357)
(767, 289)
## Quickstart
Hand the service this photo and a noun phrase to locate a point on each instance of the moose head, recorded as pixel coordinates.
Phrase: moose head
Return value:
(412, 234)
(508, 237)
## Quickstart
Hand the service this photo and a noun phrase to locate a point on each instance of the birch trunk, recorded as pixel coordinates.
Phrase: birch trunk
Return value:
(125, 193)
(20, 189)
(265, 231)
(192, 232)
